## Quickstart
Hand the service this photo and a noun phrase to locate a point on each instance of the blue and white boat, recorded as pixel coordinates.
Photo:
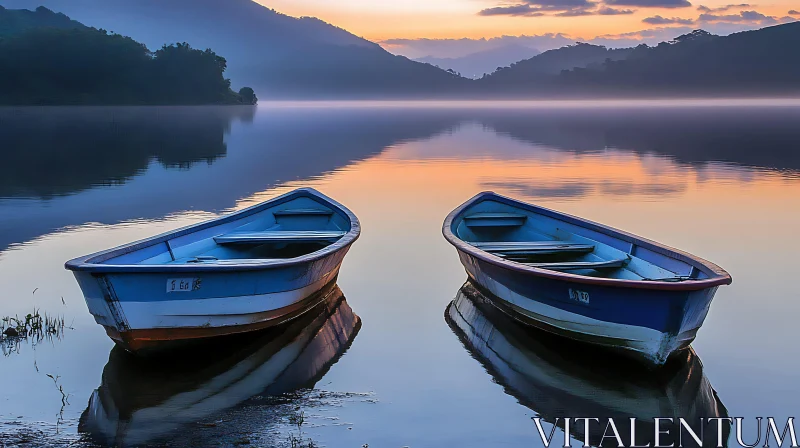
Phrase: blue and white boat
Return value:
(246, 271)
(583, 280)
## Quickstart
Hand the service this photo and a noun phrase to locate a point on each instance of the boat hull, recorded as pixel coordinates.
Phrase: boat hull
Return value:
(140, 315)
(648, 324)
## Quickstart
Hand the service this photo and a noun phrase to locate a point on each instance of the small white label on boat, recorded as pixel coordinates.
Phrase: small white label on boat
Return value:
(183, 284)
(580, 296)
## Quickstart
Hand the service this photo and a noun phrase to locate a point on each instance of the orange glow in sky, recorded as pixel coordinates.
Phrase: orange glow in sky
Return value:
(379, 20)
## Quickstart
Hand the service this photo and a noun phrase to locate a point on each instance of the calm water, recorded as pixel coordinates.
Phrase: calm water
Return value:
(720, 181)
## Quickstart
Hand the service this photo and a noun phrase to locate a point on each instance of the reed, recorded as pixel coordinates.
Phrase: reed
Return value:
(34, 327)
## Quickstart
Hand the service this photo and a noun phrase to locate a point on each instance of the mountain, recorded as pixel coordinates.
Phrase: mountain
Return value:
(14, 22)
(759, 62)
(477, 64)
(553, 62)
(278, 55)
(286, 57)
(698, 64)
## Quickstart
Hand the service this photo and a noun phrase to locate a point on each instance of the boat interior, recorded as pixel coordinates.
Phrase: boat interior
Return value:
(291, 229)
(532, 238)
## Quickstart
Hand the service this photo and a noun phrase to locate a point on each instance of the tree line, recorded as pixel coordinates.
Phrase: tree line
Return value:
(74, 64)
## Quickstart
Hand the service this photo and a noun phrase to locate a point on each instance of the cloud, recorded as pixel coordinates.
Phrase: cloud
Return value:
(606, 11)
(658, 20)
(794, 12)
(515, 11)
(574, 8)
(537, 8)
(576, 13)
(650, 3)
(702, 8)
(557, 8)
(749, 17)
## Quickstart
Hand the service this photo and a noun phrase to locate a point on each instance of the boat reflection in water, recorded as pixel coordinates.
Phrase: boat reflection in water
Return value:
(147, 400)
(560, 379)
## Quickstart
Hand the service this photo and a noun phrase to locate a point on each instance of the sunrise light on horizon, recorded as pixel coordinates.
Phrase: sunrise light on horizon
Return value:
(395, 24)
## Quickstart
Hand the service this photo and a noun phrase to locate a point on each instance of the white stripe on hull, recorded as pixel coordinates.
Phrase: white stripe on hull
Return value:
(99, 310)
(215, 312)
(654, 345)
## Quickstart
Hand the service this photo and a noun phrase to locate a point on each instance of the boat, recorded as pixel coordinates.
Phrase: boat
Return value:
(583, 280)
(246, 271)
(559, 378)
(234, 385)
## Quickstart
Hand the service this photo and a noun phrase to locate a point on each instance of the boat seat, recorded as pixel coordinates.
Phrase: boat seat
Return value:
(303, 212)
(495, 220)
(576, 265)
(533, 247)
(280, 236)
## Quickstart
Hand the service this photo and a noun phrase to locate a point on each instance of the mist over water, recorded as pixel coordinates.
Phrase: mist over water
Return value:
(719, 179)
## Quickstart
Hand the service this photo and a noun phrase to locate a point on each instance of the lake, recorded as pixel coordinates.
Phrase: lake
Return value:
(720, 180)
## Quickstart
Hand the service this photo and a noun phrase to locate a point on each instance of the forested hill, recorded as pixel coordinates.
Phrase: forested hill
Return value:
(553, 62)
(476, 65)
(765, 61)
(46, 58)
(762, 62)
(279, 55)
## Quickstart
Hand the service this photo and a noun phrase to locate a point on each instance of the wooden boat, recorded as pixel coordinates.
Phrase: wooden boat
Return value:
(236, 379)
(581, 279)
(249, 270)
(558, 379)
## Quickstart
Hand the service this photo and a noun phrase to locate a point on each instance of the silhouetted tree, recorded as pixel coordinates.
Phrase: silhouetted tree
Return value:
(248, 95)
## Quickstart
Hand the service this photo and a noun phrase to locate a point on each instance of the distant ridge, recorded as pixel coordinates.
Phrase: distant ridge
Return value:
(477, 64)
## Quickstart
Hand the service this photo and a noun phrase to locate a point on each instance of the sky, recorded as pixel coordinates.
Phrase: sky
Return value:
(452, 28)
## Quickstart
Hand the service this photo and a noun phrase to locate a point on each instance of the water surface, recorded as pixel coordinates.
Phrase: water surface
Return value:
(719, 180)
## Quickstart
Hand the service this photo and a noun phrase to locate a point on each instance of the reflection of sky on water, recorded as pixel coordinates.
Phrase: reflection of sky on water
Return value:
(729, 195)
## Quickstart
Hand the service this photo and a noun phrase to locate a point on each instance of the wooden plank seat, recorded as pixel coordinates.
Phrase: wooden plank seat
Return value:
(576, 265)
(522, 248)
(495, 220)
(303, 212)
(280, 236)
